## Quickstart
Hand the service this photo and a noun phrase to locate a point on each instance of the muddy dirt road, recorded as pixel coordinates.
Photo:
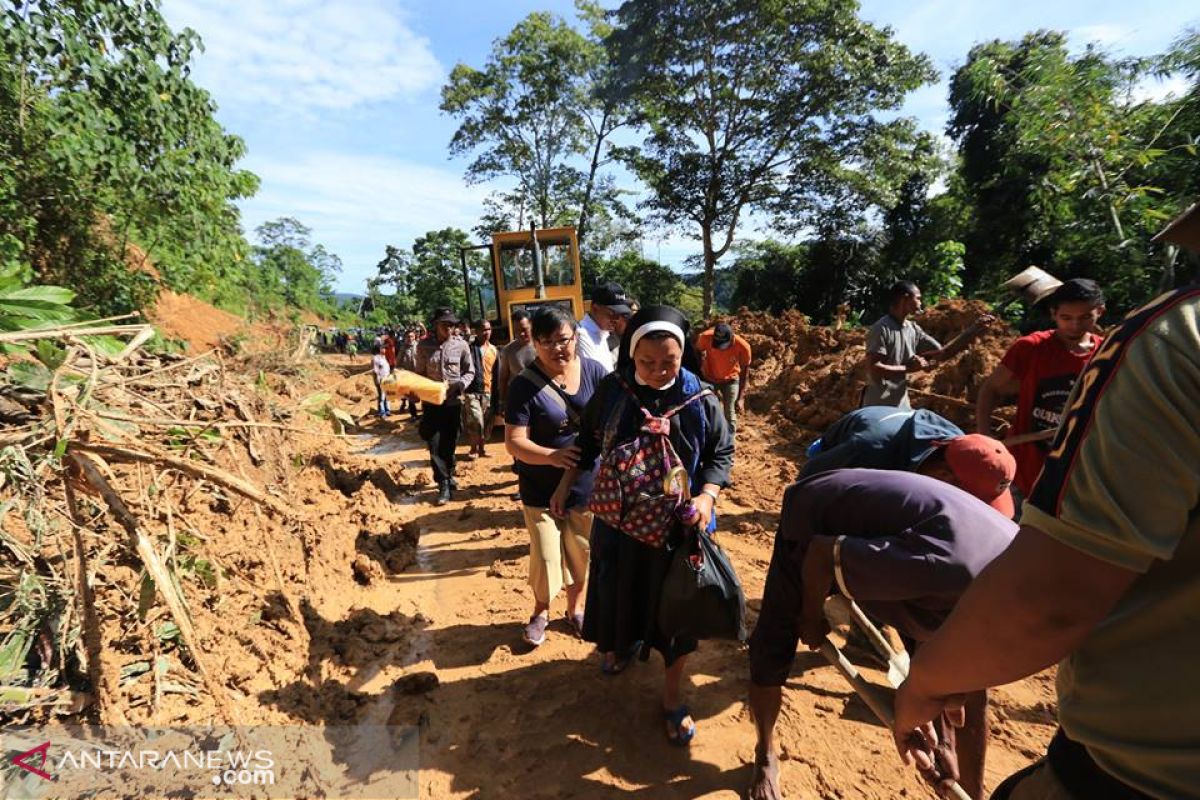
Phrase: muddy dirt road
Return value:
(508, 721)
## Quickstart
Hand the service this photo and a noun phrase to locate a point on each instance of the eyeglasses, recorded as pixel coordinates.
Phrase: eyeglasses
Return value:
(557, 344)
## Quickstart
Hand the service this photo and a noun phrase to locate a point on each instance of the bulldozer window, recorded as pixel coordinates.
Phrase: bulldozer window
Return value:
(516, 266)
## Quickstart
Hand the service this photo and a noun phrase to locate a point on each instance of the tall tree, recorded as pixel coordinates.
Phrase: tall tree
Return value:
(106, 142)
(536, 112)
(1060, 156)
(761, 106)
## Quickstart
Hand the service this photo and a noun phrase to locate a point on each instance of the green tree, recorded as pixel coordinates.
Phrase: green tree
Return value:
(1062, 162)
(291, 270)
(106, 142)
(533, 113)
(650, 282)
(428, 277)
(765, 107)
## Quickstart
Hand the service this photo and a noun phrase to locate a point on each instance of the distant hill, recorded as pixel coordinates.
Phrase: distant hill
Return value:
(346, 297)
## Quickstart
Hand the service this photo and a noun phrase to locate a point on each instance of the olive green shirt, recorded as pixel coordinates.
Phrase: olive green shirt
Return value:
(1122, 484)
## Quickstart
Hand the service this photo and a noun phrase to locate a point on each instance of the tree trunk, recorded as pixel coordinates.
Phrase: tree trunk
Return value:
(710, 268)
(584, 211)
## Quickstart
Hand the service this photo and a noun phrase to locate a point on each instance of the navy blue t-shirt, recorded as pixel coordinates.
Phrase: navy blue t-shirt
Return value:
(913, 543)
(550, 427)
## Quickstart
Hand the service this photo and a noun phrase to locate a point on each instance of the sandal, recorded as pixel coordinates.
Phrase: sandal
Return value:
(576, 623)
(678, 735)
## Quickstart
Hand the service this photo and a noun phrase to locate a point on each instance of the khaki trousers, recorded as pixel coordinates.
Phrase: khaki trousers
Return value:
(558, 551)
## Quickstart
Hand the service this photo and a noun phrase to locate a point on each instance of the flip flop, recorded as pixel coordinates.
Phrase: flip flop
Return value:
(679, 736)
(576, 623)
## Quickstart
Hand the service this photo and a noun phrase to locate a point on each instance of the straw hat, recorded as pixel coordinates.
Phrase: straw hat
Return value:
(1033, 284)
(1184, 230)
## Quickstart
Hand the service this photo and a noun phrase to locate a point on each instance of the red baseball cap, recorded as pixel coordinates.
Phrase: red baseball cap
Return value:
(983, 467)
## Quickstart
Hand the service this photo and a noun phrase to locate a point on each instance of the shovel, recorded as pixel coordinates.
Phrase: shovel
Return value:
(876, 698)
(897, 663)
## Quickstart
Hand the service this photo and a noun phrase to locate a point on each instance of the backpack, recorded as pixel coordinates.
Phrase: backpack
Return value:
(634, 489)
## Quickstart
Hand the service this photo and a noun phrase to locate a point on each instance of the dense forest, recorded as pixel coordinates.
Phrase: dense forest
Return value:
(769, 133)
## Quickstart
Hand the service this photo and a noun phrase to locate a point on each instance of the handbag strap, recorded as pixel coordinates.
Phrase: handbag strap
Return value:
(551, 391)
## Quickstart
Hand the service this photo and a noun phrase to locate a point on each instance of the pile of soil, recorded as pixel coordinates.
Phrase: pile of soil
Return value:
(806, 376)
(200, 324)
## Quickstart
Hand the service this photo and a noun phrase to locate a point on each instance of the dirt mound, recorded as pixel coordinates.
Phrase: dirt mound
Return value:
(200, 324)
(807, 376)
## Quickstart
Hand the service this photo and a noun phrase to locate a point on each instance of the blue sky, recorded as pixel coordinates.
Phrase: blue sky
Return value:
(338, 101)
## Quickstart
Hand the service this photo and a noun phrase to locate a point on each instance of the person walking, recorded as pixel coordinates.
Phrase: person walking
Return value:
(380, 370)
(481, 398)
(1040, 369)
(897, 347)
(1103, 577)
(626, 574)
(406, 358)
(609, 304)
(725, 363)
(517, 354)
(444, 357)
(546, 402)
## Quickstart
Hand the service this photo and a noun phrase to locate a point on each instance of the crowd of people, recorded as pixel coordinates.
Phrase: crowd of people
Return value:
(1072, 539)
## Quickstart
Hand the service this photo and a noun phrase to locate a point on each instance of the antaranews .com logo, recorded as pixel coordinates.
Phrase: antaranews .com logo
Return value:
(357, 761)
(227, 768)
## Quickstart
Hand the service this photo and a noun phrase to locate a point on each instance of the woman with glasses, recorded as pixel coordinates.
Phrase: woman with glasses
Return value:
(541, 417)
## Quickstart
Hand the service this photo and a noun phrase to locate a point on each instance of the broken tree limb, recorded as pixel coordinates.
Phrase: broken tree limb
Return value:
(102, 680)
(210, 473)
(199, 423)
(62, 332)
(163, 583)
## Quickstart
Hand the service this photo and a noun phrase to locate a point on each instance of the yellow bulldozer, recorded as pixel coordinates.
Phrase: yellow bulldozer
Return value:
(529, 269)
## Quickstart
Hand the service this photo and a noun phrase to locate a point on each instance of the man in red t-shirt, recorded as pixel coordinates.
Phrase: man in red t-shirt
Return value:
(1040, 370)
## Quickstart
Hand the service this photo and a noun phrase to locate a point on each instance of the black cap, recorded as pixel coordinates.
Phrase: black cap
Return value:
(722, 336)
(445, 315)
(612, 296)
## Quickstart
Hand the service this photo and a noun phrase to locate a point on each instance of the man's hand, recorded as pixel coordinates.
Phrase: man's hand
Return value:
(917, 364)
(983, 322)
(740, 405)
(916, 737)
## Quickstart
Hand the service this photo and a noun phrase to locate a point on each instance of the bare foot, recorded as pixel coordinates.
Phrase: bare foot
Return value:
(764, 783)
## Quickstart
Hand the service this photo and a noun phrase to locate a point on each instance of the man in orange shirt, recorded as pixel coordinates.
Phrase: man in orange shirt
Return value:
(725, 363)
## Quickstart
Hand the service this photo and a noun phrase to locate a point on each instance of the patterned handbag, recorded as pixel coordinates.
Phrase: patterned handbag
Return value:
(635, 490)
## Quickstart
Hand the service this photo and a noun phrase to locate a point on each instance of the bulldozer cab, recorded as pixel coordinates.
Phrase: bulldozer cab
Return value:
(528, 269)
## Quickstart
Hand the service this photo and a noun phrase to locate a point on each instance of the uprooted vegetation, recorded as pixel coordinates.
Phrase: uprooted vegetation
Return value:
(807, 376)
(163, 526)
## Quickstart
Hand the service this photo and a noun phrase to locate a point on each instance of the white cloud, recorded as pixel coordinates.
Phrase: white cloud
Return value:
(1156, 90)
(306, 54)
(356, 204)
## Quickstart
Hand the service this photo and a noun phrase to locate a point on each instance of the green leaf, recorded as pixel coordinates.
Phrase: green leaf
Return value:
(30, 374)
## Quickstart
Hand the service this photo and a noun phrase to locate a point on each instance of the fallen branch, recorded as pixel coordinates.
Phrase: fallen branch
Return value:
(62, 332)
(163, 583)
(103, 680)
(175, 422)
(214, 474)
